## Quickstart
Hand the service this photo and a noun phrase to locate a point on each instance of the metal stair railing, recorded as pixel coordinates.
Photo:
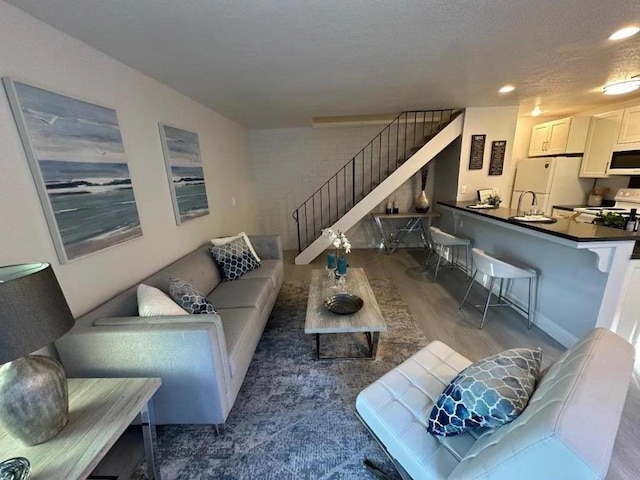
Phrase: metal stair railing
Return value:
(395, 144)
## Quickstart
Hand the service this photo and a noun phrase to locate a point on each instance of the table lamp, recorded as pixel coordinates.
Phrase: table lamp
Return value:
(34, 401)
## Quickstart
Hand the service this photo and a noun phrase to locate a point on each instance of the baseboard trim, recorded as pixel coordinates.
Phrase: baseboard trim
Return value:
(548, 326)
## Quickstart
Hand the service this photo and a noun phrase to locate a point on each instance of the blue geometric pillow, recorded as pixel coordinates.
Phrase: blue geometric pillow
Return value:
(489, 393)
(188, 297)
(235, 259)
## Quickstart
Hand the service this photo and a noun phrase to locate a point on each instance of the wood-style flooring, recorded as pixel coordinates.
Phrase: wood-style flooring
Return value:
(435, 308)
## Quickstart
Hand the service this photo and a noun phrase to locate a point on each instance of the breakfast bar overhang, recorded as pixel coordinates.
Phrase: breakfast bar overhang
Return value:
(581, 266)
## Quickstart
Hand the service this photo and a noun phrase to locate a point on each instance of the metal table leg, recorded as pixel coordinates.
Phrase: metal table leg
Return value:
(403, 231)
(373, 339)
(148, 437)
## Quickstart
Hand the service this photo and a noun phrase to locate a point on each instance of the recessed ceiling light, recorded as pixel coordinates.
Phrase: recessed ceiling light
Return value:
(620, 88)
(536, 111)
(625, 33)
(507, 89)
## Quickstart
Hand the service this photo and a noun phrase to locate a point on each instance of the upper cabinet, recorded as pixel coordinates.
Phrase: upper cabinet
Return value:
(603, 133)
(630, 128)
(559, 137)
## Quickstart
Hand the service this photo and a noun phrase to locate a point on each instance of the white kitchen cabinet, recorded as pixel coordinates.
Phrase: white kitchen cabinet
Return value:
(559, 137)
(558, 213)
(630, 129)
(603, 133)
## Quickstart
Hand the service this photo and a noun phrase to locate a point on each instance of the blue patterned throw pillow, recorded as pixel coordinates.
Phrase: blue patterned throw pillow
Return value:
(235, 259)
(489, 393)
(188, 297)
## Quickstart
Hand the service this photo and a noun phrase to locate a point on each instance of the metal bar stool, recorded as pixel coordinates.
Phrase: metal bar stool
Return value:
(496, 268)
(442, 240)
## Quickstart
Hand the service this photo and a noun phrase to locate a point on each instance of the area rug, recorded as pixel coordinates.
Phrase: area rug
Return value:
(294, 416)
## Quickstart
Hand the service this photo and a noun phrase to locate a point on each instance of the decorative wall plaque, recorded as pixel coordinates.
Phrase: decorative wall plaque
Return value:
(498, 149)
(477, 152)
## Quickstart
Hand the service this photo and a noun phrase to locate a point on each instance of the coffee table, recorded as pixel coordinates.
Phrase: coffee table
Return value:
(367, 320)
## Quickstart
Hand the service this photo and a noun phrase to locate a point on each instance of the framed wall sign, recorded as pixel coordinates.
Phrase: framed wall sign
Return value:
(77, 160)
(476, 155)
(184, 169)
(496, 164)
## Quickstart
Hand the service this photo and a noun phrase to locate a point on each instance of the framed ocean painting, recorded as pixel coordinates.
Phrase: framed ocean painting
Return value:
(77, 159)
(184, 168)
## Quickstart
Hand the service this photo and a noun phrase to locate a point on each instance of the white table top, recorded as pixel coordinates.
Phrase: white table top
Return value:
(100, 409)
(320, 320)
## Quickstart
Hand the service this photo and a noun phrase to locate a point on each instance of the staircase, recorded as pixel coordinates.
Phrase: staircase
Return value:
(400, 150)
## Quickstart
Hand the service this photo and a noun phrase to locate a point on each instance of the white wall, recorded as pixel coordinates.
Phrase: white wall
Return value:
(498, 123)
(289, 164)
(35, 53)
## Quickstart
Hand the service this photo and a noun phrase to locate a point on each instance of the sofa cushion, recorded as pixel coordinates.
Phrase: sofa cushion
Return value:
(234, 258)
(396, 409)
(222, 240)
(251, 292)
(237, 323)
(491, 392)
(189, 298)
(273, 269)
(153, 302)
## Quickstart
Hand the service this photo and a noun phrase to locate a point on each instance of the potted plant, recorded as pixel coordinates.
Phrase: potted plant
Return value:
(494, 200)
(611, 219)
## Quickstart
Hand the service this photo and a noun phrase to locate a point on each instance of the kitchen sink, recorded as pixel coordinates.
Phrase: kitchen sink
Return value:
(534, 219)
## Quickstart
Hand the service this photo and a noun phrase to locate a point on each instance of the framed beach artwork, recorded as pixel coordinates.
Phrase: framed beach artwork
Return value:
(184, 168)
(77, 159)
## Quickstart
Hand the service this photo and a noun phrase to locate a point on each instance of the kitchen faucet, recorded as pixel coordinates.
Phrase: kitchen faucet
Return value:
(534, 202)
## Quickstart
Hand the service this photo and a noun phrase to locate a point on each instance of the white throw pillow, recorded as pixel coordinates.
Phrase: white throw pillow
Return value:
(216, 242)
(153, 302)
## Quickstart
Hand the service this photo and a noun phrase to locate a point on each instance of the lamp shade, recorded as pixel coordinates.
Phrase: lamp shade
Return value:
(33, 310)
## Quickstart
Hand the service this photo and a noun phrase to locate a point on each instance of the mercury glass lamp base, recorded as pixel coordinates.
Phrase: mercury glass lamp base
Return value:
(34, 399)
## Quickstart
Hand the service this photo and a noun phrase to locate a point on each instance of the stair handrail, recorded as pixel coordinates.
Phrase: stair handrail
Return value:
(452, 114)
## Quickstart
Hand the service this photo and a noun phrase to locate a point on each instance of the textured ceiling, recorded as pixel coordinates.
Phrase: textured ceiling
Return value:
(273, 63)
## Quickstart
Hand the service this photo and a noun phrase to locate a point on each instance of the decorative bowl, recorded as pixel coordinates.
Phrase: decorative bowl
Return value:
(343, 303)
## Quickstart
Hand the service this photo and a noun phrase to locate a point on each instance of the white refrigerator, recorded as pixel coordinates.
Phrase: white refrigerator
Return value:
(554, 180)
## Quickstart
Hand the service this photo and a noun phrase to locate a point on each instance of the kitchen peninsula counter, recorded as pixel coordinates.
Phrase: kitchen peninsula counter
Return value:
(563, 228)
(581, 266)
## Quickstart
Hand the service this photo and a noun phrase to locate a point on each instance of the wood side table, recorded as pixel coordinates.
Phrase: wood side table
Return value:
(100, 409)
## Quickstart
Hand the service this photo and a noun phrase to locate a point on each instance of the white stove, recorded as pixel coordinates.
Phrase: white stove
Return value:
(625, 200)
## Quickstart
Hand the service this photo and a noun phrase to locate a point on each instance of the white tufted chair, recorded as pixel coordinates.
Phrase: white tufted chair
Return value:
(567, 431)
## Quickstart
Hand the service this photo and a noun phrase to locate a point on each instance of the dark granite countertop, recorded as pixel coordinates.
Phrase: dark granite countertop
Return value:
(563, 228)
(568, 207)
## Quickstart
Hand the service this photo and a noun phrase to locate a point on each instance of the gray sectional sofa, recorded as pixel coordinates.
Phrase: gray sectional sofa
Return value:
(201, 359)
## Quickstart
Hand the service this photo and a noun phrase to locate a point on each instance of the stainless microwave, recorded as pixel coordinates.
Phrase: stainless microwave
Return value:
(625, 163)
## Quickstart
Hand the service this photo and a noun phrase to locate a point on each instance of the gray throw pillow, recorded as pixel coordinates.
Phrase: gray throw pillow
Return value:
(234, 259)
(489, 393)
(188, 297)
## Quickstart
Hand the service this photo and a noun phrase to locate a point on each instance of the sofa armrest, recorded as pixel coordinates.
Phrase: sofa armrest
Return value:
(191, 359)
(268, 247)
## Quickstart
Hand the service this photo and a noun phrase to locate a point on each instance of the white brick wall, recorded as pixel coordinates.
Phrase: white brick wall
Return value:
(289, 164)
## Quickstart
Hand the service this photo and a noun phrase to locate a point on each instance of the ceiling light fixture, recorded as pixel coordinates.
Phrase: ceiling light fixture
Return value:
(620, 88)
(625, 32)
(536, 111)
(507, 89)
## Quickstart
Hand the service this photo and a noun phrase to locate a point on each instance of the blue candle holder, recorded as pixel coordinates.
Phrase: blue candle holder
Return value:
(331, 260)
(342, 266)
